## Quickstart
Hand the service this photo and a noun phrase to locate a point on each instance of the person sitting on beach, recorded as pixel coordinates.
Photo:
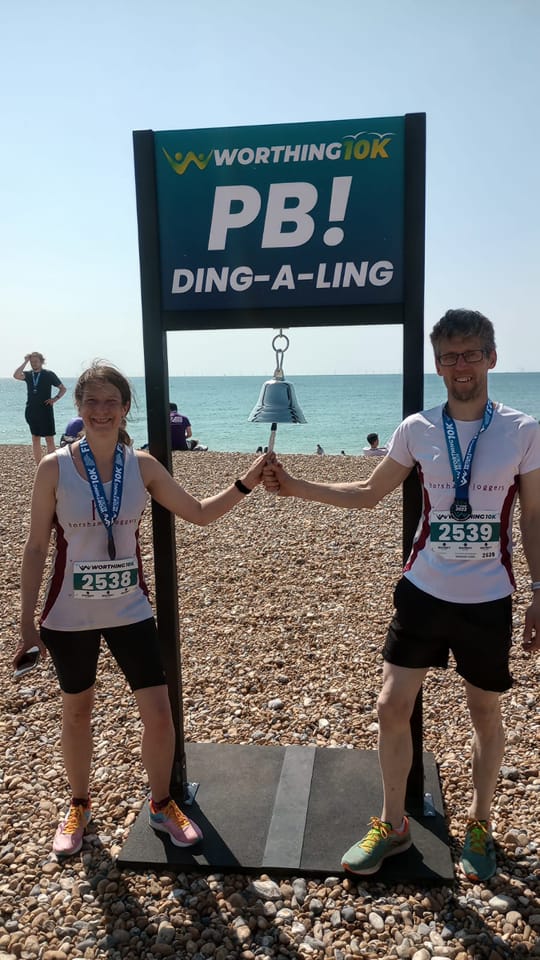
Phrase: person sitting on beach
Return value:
(374, 450)
(319, 450)
(72, 431)
(473, 458)
(38, 412)
(181, 437)
(92, 494)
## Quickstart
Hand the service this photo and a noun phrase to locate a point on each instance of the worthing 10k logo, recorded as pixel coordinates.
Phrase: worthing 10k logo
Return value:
(365, 145)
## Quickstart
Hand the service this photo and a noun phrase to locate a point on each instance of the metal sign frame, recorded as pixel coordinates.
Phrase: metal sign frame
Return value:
(157, 322)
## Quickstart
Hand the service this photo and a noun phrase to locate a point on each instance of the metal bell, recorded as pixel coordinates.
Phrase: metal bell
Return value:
(277, 402)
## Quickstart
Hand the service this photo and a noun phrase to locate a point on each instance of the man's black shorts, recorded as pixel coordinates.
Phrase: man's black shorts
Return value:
(135, 648)
(425, 629)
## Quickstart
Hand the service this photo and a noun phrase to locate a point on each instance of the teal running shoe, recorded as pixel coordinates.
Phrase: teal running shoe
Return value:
(478, 860)
(380, 842)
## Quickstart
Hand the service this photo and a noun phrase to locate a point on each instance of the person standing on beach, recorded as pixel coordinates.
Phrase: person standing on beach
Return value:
(92, 493)
(39, 413)
(473, 457)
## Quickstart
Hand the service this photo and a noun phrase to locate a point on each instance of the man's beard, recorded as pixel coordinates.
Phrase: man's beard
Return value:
(466, 391)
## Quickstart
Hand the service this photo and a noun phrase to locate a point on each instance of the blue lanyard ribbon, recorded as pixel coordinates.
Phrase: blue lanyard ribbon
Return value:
(462, 466)
(35, 379)
(108, 511)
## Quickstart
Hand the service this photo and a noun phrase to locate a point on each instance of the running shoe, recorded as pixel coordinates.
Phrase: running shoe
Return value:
(478, 860)
(380, 842)
(182, 831)
(69, 835)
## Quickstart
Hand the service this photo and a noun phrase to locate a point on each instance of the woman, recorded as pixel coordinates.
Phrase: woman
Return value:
(93, 493)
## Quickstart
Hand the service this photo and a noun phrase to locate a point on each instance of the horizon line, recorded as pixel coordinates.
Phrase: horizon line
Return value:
(224, 376)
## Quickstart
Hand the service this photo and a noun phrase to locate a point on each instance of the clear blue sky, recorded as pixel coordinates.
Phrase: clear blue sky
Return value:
(77, 79)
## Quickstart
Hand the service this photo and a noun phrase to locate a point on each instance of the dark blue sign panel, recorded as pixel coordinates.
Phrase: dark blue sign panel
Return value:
(285, 215)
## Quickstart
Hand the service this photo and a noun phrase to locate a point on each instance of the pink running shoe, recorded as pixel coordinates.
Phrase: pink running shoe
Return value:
(182, 831)
(69, 835)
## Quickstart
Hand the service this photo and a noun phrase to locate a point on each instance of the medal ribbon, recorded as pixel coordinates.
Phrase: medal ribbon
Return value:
(108, 512)
(35, 379)
(461, 466)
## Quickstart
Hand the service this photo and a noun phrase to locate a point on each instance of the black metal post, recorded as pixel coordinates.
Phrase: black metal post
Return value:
(157, 405)
(413, 375)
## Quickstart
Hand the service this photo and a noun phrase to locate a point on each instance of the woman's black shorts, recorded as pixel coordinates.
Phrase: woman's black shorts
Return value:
(135, 648)
(425, 629)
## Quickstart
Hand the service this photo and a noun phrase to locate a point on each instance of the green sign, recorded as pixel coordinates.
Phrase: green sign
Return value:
(285, 215)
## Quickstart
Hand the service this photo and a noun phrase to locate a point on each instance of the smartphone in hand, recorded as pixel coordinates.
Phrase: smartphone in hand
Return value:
(27, 662)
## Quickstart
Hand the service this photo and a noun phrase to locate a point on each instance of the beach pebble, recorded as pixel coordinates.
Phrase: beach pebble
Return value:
(376, 921)
(266, 889)
(502, 903)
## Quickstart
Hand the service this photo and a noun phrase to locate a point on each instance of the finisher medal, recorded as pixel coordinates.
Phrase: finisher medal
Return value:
(461, 510)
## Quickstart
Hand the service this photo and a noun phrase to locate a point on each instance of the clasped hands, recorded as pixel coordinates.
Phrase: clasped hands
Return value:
(267, 470)
(273, 475)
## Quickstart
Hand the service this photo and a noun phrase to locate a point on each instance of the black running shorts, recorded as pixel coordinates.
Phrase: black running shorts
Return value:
(425, 629)
(134, 647)
(40, 419)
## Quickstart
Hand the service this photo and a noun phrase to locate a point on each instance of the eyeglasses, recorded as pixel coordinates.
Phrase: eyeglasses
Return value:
(469, 356)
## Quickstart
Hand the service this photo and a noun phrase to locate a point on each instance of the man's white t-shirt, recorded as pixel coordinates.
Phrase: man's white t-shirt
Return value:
(374, 451)
(466, 561)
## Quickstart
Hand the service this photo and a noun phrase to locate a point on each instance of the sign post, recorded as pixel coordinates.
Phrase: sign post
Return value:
(308, 224)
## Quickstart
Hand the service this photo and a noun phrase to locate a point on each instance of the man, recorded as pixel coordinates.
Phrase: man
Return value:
(180, 430)
(39, 403)
(473, 458)
(374, 450)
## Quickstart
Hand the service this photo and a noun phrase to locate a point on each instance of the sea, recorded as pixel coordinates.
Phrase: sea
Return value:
(340, 410)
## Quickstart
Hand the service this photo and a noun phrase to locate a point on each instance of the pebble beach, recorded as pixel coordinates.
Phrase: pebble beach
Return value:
(284, 609)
